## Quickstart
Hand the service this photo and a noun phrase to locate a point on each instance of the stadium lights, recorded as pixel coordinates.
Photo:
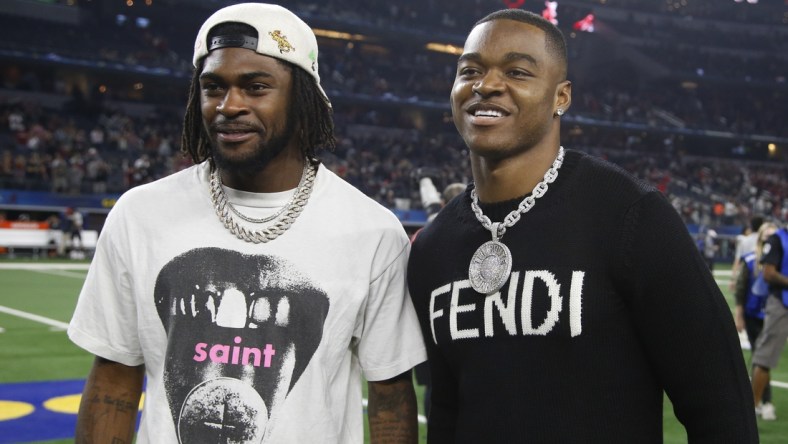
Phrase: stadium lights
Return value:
(444, 47)
(338, 35)
(689, 84)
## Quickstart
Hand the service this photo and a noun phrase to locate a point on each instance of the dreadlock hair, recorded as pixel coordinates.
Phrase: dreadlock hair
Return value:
(194, 139)
(311, 111)
(555, 41)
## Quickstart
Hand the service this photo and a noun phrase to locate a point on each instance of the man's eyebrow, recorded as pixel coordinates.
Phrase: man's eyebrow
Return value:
(209, 75)
(469, 56)
(512, 56)
(509, 57)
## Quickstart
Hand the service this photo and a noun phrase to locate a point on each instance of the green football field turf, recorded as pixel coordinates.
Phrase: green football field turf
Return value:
(36, 304)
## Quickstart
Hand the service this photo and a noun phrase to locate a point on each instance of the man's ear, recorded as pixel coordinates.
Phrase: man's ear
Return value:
(563, 97)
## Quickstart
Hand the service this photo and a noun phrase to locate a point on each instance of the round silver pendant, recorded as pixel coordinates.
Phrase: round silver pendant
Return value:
(490, 267)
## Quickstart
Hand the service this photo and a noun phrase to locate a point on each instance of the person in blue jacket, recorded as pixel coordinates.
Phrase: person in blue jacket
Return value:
(770, 342)
(751, 292)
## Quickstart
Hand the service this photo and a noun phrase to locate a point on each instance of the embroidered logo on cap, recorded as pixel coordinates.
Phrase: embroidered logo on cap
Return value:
(284, 45)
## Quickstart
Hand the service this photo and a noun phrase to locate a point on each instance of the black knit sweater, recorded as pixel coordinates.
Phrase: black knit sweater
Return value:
(608, 305)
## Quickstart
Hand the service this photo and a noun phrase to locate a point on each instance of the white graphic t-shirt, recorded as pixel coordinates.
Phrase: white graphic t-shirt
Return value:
(244, 342)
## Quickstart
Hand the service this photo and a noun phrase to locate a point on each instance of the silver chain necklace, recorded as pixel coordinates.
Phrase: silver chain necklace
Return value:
(287, 215)
(492, 262)
(281, 210)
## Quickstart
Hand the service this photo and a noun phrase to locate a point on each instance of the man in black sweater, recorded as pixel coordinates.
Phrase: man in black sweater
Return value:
(562, 316)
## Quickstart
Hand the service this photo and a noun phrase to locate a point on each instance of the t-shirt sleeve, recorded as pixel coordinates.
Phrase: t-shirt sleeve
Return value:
(105, 319)
(389, 338)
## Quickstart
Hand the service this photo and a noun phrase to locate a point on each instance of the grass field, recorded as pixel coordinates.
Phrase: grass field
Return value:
(36, 304)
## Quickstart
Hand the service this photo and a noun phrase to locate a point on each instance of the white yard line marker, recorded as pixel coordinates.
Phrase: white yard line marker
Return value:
(34, 317)
(64, 273)
(42, 266)
(779, 384)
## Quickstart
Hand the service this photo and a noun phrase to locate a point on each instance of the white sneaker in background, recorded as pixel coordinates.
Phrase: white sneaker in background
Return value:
(768, 412)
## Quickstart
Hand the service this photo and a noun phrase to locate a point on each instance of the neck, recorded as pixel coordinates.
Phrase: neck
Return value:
(498, 180)
(280, 174)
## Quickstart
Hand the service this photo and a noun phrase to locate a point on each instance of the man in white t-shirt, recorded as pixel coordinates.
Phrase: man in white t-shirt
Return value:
(254, 289)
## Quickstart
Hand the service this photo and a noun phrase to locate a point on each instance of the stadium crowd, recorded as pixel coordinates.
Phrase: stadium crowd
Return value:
(44, 151)
(391, 109)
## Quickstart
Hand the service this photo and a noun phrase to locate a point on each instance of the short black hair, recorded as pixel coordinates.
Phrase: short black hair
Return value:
(555, 41)
(310, 110)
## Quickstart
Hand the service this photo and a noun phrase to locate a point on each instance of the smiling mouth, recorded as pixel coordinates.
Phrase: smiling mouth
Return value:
(487, 113)
(234, 135)
(233, 130)
(481, 112)
(482, 116)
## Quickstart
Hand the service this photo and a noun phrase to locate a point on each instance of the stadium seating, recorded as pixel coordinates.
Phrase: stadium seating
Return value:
(690, 98)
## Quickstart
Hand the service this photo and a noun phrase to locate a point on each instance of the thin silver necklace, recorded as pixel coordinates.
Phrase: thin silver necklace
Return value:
(278, 213)
(291, 211)
(492, 262)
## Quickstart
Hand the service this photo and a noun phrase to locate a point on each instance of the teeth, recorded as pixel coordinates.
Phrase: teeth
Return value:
(232, 309)
(488, 113)
(283, 312)
(261, 310)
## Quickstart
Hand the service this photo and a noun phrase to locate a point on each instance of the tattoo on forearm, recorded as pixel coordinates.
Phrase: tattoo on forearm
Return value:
(388, 402)
(392, 414)
(102, 412)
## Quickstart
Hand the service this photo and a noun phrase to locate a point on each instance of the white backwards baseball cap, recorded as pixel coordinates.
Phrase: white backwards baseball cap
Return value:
(280, 34)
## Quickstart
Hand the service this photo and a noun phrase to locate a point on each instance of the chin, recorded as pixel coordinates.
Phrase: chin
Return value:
(249, 157)
(241, 162)
(489, 148)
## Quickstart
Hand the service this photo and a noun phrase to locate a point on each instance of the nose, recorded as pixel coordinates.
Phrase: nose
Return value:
(489, 84)
(232, 104)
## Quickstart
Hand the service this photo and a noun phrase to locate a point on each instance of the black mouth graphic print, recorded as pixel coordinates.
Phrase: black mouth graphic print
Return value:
(241, 331)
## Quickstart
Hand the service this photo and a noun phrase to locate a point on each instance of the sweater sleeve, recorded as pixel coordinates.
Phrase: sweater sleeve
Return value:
(442, 419)
(685, 326)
